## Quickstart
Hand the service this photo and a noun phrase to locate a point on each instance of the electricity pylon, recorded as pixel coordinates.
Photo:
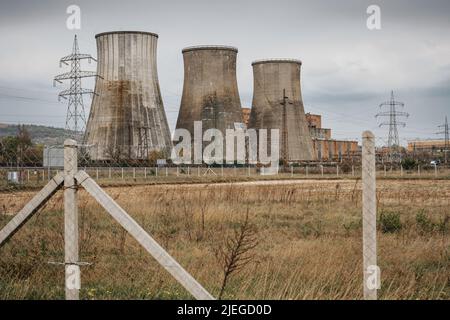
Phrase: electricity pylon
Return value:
(446, 137)
(393, 123)
(75, 117)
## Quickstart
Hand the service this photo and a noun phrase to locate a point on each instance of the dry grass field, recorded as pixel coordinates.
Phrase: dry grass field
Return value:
(300, 241)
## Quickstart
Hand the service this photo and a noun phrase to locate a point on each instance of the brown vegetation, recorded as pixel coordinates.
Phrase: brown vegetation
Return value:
(308, 236)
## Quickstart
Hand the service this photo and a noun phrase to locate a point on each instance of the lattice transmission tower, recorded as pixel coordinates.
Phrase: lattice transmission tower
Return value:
(75, 117)
(393, 123)
(446, 138)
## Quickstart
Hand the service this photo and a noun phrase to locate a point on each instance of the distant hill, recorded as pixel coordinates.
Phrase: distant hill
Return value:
(39, 134)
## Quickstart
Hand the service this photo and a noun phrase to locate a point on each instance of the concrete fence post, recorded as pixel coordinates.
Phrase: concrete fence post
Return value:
(337, 170)
(353, 171)
(306, 169)
(122, 173)
(401, 170)
(321, 169)
(72, 268)
(109, 173)
(371, 270)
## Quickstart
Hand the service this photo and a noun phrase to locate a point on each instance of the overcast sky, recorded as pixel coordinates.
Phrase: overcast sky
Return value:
(348, 70)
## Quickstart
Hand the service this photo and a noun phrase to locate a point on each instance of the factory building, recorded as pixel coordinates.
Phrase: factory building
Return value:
(246, 115)
(326, 148)
(426, 145)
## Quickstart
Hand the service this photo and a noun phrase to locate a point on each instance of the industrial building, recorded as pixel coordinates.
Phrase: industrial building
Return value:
(127, 118)
(431, 146)
(246, 115)
(326, 148)
(210, 90)
(278, 104)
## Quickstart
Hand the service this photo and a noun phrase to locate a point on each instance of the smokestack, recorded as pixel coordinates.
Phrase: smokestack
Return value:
(210, 92)
(127, 118)
(271, 78)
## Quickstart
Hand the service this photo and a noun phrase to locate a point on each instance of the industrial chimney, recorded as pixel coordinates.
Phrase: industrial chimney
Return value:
(210, 91)
(127, 118)
(277, 104)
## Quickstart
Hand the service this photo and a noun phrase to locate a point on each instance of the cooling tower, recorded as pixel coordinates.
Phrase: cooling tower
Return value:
(271, 77)
(127, 118)
(210, 91)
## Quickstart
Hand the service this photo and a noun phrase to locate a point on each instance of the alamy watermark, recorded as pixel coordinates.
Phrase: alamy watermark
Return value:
(374, 19)
(73, 22)
(238, 145)
(373, 280)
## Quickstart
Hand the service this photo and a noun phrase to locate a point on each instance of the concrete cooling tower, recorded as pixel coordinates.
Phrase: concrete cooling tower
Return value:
(210, 91)
(271, 78)
(127, 118)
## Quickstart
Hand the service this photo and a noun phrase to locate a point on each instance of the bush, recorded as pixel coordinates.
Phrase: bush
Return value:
(424, 223)
(408, 163)
(390, 222)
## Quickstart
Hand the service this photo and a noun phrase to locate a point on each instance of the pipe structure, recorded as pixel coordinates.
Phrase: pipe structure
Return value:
(210, 91)
(278, 104)
(127, 118)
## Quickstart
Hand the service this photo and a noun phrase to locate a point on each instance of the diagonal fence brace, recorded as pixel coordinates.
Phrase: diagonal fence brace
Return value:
(130, 225)
(31, 208)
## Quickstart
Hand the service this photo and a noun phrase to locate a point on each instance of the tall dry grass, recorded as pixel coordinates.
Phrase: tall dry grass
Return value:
(308, 242)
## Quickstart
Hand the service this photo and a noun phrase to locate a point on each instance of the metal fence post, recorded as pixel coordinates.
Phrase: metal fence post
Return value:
(72, 268)
(371, 270)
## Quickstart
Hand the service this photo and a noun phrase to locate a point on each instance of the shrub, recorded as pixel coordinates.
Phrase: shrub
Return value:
(408, 163)
(390, 222)
(423, 222)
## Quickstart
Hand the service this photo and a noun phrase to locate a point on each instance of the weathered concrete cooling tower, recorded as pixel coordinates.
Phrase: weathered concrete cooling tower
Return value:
(271, 77)
(210, 92)
(127, 118)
